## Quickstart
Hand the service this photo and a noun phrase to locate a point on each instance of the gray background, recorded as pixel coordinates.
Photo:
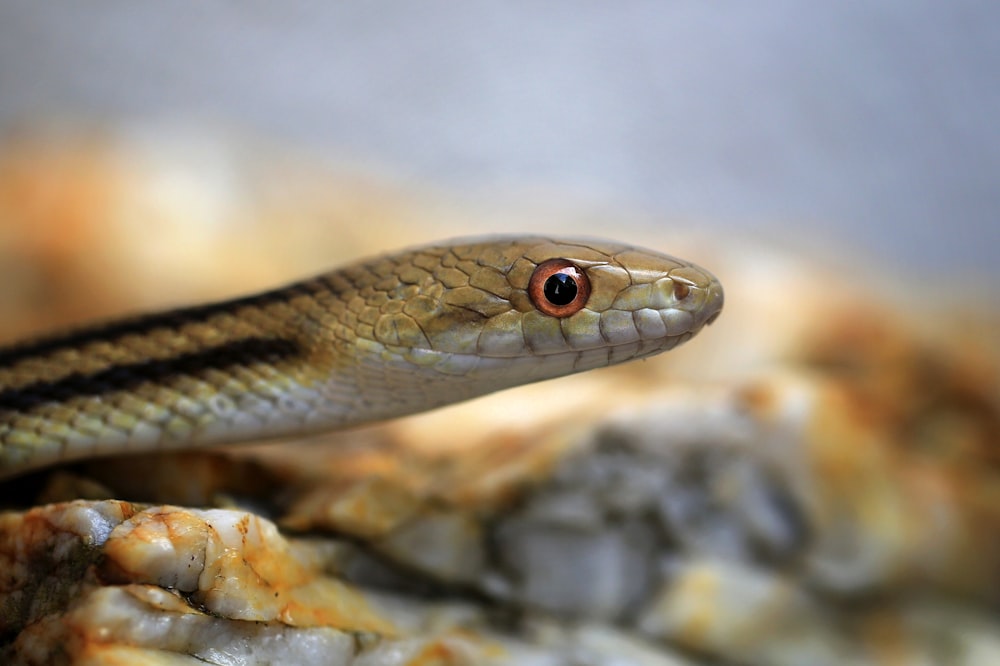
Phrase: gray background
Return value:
(874, 124)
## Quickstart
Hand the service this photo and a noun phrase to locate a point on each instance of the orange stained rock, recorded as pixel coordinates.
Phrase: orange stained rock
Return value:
(236, 565)
(492, 474)
(442, 653)
(700, 591)
(886, 637)
(372, 493)
(145, 624)
(884, 512)
(366, 507)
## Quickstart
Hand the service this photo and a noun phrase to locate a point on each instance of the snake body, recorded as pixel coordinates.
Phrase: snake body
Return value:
(381, 338)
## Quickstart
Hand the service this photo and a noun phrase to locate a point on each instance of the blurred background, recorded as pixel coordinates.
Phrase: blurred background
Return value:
(835, 164)
(867, 125)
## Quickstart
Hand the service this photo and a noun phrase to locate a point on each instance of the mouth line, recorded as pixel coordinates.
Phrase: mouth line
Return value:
(662, 340)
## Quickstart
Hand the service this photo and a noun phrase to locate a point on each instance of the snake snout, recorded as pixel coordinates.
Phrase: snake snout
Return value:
(696, 292)
(714, 301)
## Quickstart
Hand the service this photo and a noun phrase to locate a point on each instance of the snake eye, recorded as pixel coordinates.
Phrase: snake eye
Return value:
(558, 288)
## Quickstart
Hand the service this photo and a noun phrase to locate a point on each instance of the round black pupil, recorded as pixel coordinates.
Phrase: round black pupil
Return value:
(560, 289)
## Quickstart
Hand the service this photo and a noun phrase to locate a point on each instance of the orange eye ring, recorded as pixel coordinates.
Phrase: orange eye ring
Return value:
(558, 288)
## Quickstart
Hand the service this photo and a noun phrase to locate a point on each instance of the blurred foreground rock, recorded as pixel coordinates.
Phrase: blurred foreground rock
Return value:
(817, 484)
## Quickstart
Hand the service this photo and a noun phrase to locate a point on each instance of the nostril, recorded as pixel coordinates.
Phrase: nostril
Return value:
(681, 290)
(712, 319)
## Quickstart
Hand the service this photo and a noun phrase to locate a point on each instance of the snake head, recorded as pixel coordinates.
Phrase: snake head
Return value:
(482, 314)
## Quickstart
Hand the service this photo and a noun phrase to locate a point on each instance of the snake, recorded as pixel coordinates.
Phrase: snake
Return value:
(378, 339)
